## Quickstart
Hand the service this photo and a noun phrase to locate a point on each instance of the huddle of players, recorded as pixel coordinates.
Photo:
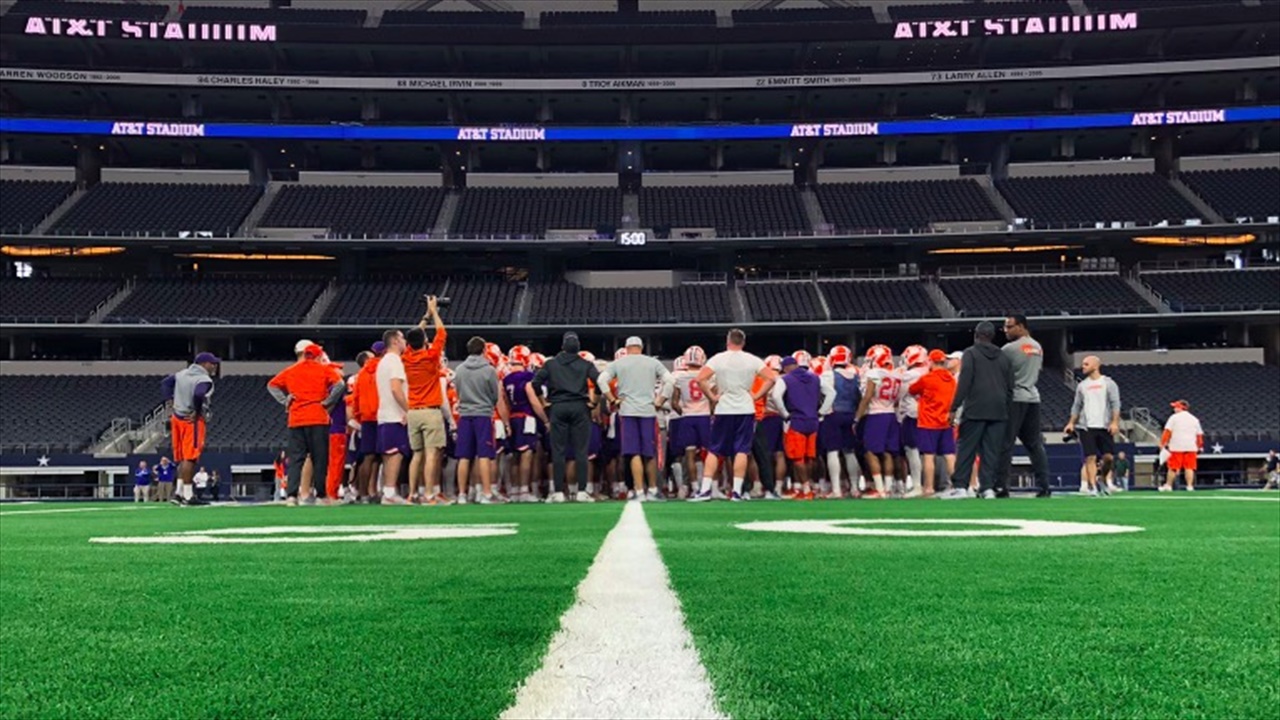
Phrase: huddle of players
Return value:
(816, 419)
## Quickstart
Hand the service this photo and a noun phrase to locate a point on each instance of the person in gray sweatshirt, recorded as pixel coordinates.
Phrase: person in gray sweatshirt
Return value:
(985, 390)
(1095, 413)
(1024, 412)
(479, 395)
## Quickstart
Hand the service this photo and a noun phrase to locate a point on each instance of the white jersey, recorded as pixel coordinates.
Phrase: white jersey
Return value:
(735, 372)
(884, 397)
(908, 406)
(390, 367)
(693, 403)
(1184, 432)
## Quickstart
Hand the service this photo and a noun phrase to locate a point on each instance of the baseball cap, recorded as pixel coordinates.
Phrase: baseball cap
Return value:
(956, 355)
(634, 341)
(936, 355)
(1183, 404)
(207, 357)
(378, 348)
(788, 361)
(301, 346)
(313, 351)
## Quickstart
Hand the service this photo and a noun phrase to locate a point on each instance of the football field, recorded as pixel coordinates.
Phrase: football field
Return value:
(1146, 606)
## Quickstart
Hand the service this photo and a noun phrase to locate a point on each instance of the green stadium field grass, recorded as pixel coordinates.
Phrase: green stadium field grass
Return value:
(1179, 620)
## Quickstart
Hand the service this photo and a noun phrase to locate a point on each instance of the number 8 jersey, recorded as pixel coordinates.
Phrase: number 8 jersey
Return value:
(692, 400)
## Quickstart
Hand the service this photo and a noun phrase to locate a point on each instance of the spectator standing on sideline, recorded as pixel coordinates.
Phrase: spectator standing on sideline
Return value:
(479, 395)
(985, 390)
(393, 416)
(1095, 412)
(566, 377)
(1024, 413)
(201, 481)
(425, 416)
(164, 473)
(733, 423)
(637, 408)
(1121, 472)
(141, 482)
(1271, 470)
(189, 390)
(1183, 438)
(282, 476)
(308, 389)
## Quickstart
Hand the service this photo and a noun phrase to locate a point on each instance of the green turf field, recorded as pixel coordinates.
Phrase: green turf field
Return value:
(1179, 620)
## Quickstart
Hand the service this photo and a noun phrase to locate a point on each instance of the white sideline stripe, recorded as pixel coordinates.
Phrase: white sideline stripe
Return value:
(1163, 498)
(622, 650)
(75, 510)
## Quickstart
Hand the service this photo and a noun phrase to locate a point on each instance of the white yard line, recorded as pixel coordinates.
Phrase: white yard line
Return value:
(622, 650)
(1201, 497)
(51, 511)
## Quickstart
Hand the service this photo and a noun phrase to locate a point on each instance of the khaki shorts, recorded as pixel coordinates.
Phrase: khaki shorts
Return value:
(426, 429)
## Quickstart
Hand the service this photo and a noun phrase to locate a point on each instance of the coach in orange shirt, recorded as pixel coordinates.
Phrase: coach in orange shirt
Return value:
(426, 401)
(935, 391)
(308, 388)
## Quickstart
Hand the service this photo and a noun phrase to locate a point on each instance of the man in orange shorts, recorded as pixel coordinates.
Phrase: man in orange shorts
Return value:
(801, 394)
(189, 391)
(1183, 439)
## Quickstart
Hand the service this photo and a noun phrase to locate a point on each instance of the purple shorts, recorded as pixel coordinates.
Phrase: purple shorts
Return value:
(475, 439)
(908, 434)
(936, 442)
(770, 430)
(694, 432)
(519, 440)
(732, 435)
(368, 442)
(880, 434)
(393, 438)
(836, 433)
(638, 436)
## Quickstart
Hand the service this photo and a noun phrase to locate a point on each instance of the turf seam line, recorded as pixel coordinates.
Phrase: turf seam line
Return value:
(622, 650)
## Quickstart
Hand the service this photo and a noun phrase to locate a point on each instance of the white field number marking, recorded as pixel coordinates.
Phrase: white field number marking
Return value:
(294, 534)
(999, 528)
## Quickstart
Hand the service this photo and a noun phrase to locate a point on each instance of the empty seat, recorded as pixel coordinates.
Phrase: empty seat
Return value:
(533, 211)
(979, 10)
(783, 301)
(1085, 294)
(1089, 199)
(244, 418)
(356, 210)
(803, 15)
(41, 300)
(159, 209)
(1251, 289)
(70, 412)
(1229, 398)
(217, 301)
(579, 18)
(452, 17)
(744, 210)
(279, 16)
(396, 302)
(903, 206)
(1247, 193)
(877, 299)
(24, 203)
(563, 302)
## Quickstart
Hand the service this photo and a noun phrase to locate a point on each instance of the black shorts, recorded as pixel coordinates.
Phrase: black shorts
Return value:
(1096, 443)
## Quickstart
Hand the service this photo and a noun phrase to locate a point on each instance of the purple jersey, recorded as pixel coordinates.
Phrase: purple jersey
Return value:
(517, 397)
(803, 395)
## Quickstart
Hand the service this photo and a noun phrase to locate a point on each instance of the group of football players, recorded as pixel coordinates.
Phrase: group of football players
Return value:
(883, 430)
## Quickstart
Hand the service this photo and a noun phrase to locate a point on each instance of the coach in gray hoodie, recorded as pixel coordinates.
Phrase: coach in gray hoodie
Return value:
(479, 395)
(985, 390)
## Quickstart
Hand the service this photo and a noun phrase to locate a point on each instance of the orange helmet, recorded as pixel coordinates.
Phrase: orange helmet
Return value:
(587, 356)
(695, 356)
(915, 356)
(880, 356)
(537, 360)
(519, 355)
(818, 365)
(493, 354)
(803, 358)
(840, 356)
(774, 363)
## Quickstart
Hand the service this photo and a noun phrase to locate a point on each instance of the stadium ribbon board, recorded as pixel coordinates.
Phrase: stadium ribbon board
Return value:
(937, 77)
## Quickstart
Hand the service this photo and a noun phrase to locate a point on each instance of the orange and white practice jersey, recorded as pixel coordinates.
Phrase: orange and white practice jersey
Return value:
(885, 388)
(692, 400)
(908, 407)
(1182, 433)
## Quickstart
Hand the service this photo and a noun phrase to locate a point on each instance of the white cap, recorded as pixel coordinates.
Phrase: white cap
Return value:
(956, 355)
(635, 340)
(301, 346)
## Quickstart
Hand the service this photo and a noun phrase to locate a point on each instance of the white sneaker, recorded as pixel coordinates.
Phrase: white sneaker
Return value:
(955, 494)
(1164, 488)
(1093, 492)
(633, 496)
(462, 500)
(1113, 488)
(484, 500)
(556, 497)
(1191, 488)
(716, 494)
(655, 495)
(585, 497)
(1084, 490)
(988, 494)
(914, 492)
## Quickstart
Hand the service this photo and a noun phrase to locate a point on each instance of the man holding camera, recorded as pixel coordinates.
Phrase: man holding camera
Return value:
(425, 416)
(1095, 412)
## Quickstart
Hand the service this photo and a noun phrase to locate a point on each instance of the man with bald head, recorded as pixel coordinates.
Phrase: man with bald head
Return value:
(1095, 416)
(985, 391)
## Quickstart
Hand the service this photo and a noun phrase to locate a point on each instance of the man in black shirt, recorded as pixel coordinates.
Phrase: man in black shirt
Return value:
(572, 399)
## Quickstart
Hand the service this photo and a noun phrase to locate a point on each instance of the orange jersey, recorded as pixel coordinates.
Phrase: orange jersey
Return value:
(936, 390)
(762, 404)
(367, 391)
(308, 383)
(422, 370)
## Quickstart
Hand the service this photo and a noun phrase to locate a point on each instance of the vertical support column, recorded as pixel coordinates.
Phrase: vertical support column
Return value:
(88, 163)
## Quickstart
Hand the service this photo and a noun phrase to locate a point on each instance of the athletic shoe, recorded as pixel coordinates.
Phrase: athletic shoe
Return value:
(556, 498)
(872, 494)
(462, 500)
(736, 497)
(291, 502)
(1093, 492)
(1002, 493)
(177, 500)
(1113, 488)
(1103, 490)
(914, 492)
(988, 494)
(702, 497)
(718, 494)
(394, 500)
(195, 501)
(655, 495)
(1164, 488)
(955, 494)
(806, 495)
(585, 497)
(1084, 490)
(771, 495)
(1191, 488)
(1044, 493)
(485, 500)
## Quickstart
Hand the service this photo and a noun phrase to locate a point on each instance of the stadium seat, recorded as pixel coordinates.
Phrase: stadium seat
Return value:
(97, 10)
(356, 210)
(50, 412)
(57, 300)
(803, 15)
(1056, 397)
(783, 301)
(215, 301)
(530, 212)
(1085, 294)
(1252, 289)
(578, 18)
(906, 206)
(563, 302)
(744, 210)
(1245, 193)
(24, 203)
(877, 299)
(1083, 200)
(1231, 399)
(392, 303)
(159, 209)
(978, 10)
(244, 418)
(280, 16)
(452, 17)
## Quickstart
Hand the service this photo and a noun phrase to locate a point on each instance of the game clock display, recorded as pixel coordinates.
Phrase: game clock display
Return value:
(634, 238)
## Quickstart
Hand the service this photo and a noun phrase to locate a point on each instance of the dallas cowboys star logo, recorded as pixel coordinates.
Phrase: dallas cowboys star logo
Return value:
(1217, 448)
(43, 460)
